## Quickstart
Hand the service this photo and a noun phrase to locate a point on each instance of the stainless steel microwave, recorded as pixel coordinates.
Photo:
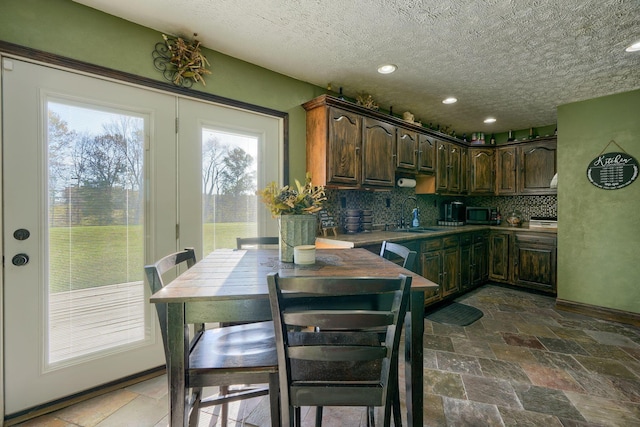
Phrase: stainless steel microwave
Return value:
(482, 215)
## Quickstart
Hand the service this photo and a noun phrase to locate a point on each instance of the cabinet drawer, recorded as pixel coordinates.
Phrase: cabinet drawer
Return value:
(480, 237)
(466, 239)
(536, 239)
(450, 241)
(431, 245)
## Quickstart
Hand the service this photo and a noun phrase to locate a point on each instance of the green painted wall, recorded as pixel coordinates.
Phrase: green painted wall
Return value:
(66, 28)
(599, 230)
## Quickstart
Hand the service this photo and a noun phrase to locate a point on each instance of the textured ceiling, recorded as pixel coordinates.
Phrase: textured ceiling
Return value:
(515, 60)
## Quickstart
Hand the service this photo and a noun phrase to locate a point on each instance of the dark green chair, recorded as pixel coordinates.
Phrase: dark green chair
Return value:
(328, 342)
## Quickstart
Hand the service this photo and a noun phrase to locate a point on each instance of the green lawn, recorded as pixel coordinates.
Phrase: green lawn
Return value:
(84, 257)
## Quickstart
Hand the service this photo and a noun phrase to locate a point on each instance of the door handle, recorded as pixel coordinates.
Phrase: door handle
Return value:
(20, 259)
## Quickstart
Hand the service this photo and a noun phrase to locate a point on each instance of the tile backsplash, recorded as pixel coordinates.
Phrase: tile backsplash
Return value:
(386, 205)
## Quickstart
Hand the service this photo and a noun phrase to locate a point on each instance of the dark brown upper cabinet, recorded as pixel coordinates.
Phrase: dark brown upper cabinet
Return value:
(407, 150)
(378, 152)
(448, 169)
(537, 164)
(506, 170)
(482, 165)
(426, 153)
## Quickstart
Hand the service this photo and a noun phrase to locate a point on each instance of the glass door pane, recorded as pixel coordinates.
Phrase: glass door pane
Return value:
(229, 184)
(95, 230)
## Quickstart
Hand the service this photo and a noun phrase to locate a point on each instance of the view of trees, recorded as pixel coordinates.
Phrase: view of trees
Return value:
(229, 182)
(97, 178)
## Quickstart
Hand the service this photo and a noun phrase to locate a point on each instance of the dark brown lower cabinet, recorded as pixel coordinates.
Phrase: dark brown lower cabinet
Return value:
(431, 267)
(461, 262)
(499, 256)
(525, 259)
(466, 262)
(474, 256)
(441, 264)
(480, 258)
(534, 262)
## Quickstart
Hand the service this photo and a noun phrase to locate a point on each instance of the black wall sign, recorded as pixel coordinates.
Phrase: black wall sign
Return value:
(612, 171)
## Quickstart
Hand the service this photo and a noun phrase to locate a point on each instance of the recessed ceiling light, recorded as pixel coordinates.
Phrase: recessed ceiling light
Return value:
(450, 100)
(489, 120)
(387, 68)
(634, 47)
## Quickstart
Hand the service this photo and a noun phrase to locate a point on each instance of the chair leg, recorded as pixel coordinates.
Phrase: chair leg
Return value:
(298, 417)
(224, 412)
(274, 399)
(395, 400)
(319, 416)
(371, 418)
(397, 416)
(194, 402)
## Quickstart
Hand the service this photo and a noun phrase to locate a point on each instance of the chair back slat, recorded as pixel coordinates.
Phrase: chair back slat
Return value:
(337, 286)
(339, 319)
(332, 353)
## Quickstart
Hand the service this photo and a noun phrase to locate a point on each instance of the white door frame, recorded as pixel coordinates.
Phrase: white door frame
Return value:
(66, 64)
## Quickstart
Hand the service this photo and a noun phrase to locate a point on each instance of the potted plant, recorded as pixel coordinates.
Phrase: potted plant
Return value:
(295, 208)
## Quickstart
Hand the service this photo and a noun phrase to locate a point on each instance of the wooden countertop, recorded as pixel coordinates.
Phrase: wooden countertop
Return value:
(378, 236)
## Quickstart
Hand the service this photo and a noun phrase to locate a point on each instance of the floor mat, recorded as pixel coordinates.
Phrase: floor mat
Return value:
(455, 314)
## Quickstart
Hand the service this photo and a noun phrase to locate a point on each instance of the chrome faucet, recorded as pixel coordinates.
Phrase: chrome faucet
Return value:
(401, 222)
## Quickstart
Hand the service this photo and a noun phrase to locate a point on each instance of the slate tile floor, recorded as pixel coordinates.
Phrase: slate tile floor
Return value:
(523, 364)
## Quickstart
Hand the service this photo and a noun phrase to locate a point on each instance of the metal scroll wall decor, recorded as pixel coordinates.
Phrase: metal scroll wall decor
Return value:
(180, 61)
(611, 171)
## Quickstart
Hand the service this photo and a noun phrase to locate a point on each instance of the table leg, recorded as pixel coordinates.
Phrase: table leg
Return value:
(414, 330)
(176, 329)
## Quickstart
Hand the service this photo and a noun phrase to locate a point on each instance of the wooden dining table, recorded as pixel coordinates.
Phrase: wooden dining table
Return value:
(231, 286)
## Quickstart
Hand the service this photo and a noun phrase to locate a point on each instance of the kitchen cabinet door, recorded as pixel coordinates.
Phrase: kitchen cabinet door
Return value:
(334, 139)
(406, 150)
(450, 271)
(499, 256)
(465, 172)
(344, 146)
(482, 170)
(466, 264)
(426, 154)
(431, 269)
(480, 258)
(537, 167)
(448, 166)
(534, 262)
(506, 170)
(455, 161)
(442, 166)
(378, 151)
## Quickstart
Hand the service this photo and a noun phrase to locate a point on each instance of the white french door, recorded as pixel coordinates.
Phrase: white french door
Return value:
(84, 208)
(97, 183)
